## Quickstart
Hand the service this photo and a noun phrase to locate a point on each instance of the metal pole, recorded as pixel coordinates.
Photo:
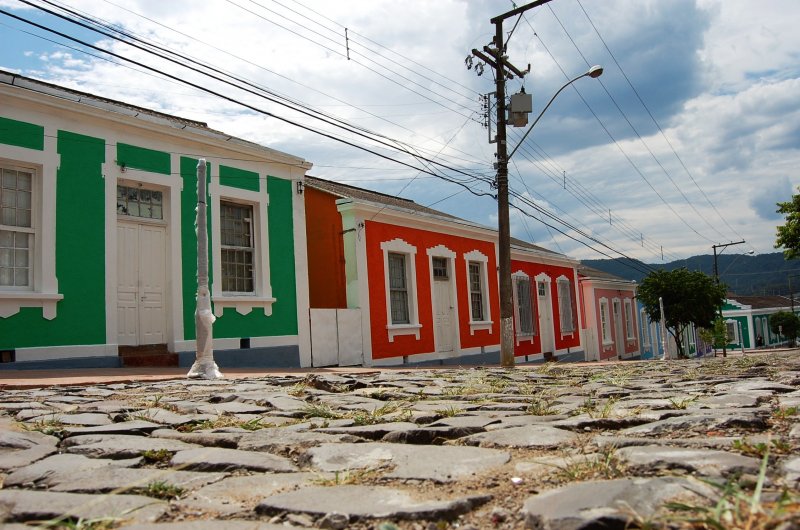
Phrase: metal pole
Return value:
(716, 277)
(741, 337)
(204, 366)
(663, 325)
(504, 231)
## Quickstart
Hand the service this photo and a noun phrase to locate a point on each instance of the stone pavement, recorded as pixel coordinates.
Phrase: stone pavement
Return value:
(650, 444)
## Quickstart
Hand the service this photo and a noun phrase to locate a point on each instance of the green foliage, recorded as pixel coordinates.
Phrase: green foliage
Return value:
(785, 323)
(716, 335)
(690, 297)
(163, 490)
(789, 233)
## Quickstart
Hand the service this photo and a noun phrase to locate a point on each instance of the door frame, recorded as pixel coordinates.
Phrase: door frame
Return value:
(619, 333)
(139, 223)
(546, 312)
(441, 251)
(171, 186)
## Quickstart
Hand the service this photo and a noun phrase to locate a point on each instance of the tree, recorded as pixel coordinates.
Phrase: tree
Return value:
(786, 324)
(789, 233)
(690, 297)
(716, 336)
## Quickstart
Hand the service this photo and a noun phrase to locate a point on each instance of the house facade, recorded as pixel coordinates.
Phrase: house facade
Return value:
(611, 331)
(424, 284)
(98, 250)
(747, 319)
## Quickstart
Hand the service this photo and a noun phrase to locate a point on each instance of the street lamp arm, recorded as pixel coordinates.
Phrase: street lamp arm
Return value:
(594, 71)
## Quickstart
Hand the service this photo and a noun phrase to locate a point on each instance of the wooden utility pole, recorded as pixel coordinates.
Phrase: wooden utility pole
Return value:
(502, 67)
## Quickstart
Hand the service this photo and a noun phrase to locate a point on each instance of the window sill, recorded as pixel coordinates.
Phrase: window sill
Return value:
(519, 339)
(403, 329)
(480, 325)
(12, 301)
(608, 343)
(243, 304)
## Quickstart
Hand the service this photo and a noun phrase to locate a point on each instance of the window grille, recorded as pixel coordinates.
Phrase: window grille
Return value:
(236, 247)
(604, 324)
(476, 291)
(398, 289)
(565, 306)
(440, 269)
(16, 228)
(525, 325)
(137, 202)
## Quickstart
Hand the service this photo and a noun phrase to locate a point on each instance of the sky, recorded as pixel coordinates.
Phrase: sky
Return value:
(687, 140)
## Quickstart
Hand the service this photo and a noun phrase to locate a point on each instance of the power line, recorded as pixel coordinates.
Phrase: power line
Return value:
(261, 67)
(616, 143)
(633, 128)
(658, 125)
(262, 111)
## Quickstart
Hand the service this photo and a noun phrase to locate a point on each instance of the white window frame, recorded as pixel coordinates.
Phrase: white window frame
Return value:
(403, 269)
(29, 231)
(733, 338)
(533, 288)
(251, 249)
(261, 297)
(605, 323)
(483, 261)
(43, 291)
(561, 281)
(630, 332)
(399, 246)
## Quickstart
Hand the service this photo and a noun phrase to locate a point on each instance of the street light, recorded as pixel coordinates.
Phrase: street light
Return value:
(594, 72)
(716, 277)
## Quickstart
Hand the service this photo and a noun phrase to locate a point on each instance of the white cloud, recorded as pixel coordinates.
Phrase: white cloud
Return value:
(720, 76)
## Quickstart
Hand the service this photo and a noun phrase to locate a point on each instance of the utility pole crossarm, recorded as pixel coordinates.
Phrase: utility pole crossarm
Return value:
(501, 59)
(484, 58)
(518, 11)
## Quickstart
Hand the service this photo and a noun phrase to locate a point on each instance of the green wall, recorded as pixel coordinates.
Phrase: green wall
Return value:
(80, 254)
(131, 156)
(745, 332)
(21, 134)
(231, 324)
(80, 244)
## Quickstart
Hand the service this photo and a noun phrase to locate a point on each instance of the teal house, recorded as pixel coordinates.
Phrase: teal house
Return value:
(748, 320)
(98, 250)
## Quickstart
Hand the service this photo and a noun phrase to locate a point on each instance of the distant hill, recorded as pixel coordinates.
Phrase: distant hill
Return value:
(746, 275)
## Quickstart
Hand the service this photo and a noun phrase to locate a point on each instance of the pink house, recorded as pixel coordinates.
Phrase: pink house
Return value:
(609, 315)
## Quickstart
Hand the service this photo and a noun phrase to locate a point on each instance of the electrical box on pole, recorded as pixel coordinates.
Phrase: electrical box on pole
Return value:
(519, 108)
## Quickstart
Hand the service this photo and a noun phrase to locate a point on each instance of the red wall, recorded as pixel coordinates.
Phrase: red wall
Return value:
(325, 246)
(377, 233)
(610, 294)
(553, 271)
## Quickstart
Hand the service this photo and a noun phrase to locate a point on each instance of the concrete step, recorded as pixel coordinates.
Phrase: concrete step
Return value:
(147, 355)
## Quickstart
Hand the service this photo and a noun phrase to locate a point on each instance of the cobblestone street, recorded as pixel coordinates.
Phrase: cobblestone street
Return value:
(554, 446)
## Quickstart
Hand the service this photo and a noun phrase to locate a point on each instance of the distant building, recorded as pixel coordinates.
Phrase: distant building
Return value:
(747, 319)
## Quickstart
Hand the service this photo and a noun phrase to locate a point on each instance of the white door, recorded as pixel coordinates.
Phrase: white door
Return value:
(443, 300)
(141, 284)
(545, 317)
(619, 339)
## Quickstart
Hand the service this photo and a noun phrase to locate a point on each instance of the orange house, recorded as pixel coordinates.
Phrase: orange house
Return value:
(609, 306)
(424, 284)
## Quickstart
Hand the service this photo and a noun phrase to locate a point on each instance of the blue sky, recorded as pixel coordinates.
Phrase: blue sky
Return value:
(688, 139)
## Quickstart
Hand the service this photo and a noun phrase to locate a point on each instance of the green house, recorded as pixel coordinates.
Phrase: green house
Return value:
(748, 320)
(98, 249)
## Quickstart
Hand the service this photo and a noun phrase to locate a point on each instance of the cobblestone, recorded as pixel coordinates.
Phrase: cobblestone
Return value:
(554, 446)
